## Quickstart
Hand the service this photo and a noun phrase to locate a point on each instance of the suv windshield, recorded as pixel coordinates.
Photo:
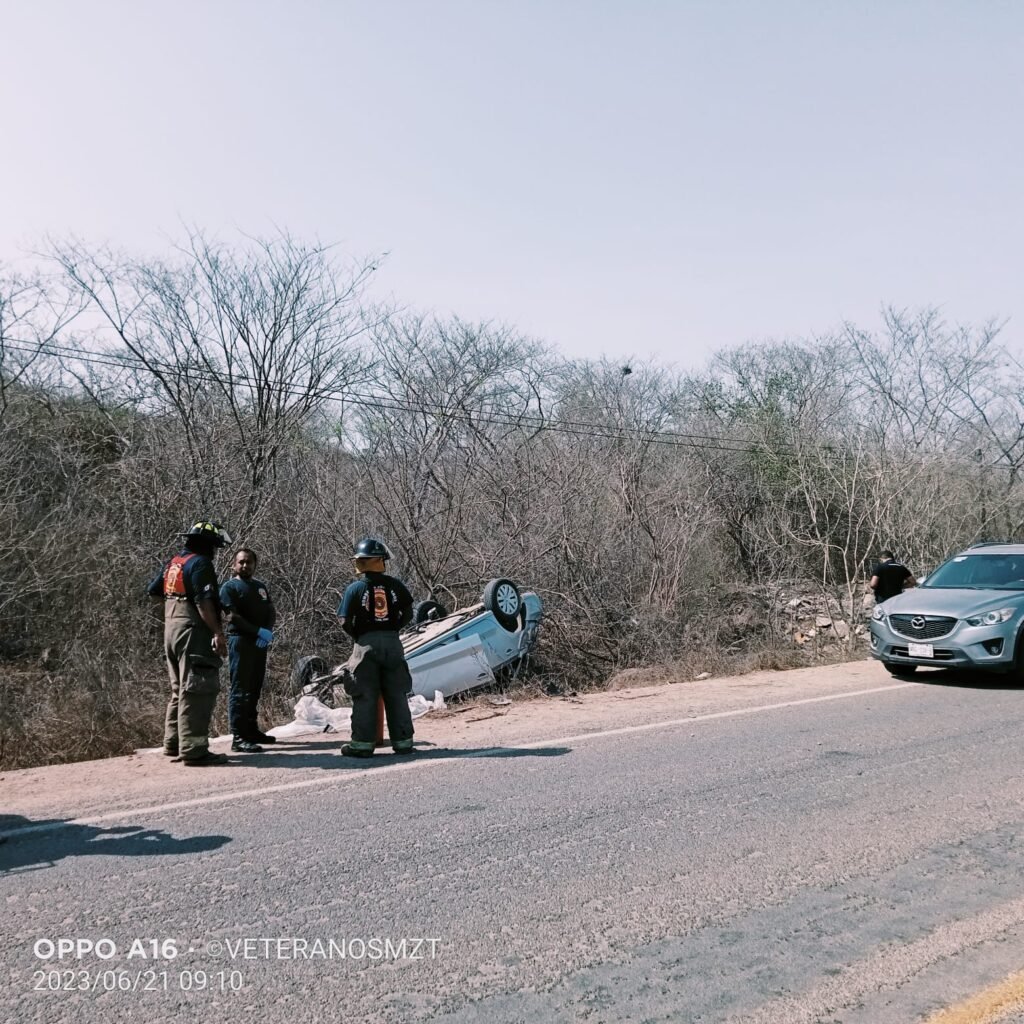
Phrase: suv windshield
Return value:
(991, 572)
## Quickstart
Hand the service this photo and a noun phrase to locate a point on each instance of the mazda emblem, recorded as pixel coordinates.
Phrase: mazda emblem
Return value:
(918, 622)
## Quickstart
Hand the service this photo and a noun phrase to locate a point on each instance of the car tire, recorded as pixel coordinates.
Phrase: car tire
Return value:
(1016, 672)
(899, 671)
(501, 598)
(427, 611)
(305, 670)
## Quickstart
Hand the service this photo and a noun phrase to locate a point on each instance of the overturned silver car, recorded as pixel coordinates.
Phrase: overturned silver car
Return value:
(451, 652)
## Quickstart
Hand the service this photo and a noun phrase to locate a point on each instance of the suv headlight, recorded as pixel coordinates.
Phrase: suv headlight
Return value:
(991, 618)
(878, 614)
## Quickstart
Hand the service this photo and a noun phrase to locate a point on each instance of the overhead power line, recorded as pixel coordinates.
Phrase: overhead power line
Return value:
(389, 403)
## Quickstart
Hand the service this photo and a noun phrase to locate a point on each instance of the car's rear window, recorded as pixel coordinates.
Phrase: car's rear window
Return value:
(997, 572)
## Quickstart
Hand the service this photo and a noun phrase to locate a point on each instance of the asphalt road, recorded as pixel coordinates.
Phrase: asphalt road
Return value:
(856, 859)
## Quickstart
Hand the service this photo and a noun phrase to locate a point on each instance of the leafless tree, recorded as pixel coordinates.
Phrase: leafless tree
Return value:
(258, 338)
(451, 400)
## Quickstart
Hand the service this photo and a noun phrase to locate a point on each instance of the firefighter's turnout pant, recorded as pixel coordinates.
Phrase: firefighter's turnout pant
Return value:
(194, 670)
(379, 670)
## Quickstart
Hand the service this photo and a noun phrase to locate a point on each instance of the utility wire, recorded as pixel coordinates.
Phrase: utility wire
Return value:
(391, 404)
(538, 424)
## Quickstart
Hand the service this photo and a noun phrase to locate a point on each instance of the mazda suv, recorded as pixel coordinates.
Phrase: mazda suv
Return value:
(969, 613)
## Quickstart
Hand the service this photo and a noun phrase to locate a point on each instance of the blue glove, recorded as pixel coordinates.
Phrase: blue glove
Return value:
(264, 637)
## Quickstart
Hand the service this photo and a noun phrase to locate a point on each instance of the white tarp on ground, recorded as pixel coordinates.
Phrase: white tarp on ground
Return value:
(312, 715)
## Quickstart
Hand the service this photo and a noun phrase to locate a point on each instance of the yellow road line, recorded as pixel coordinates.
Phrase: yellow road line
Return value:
(987, 1007)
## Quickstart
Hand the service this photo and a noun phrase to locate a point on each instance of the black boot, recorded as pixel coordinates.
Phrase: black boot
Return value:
(205, 760)
(347, 751)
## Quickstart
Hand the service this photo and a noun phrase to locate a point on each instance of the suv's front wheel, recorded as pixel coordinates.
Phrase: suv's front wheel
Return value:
(899, 671)
(1016, 671)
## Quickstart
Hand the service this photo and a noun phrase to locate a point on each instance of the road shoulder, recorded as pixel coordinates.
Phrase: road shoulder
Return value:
(100, 787)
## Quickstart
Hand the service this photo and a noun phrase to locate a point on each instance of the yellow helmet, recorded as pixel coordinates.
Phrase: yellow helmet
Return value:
(211, 531)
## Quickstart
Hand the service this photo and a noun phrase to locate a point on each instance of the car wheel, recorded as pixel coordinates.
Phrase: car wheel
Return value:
(305, 670)
(1016, 672)
(501, 598)
(899, 671)
(427, 611)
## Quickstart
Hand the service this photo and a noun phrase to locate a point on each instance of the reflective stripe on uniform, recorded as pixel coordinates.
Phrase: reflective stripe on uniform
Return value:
(362, 745)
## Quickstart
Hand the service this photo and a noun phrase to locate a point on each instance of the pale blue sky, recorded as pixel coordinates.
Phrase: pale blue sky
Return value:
(661, 178)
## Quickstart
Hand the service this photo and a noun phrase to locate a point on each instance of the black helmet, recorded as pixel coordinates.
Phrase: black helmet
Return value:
(209, 531)
(370, 547)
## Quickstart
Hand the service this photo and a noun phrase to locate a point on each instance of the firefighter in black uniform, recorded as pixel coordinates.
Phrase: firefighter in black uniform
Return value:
(251, 616)
(373, 610)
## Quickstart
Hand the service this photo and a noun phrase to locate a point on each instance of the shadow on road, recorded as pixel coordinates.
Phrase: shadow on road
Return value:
(965, 679)
(331, 758)
(40, 844)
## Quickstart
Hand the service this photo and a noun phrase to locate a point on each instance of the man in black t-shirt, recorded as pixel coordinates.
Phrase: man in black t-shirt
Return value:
(889, 577)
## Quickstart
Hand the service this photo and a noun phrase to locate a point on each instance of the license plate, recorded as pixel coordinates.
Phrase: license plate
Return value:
(921, 650)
